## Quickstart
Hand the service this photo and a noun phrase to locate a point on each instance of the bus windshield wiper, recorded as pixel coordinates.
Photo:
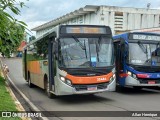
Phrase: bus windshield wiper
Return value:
(142, 47)
(98, 45)
(145, 50)
(80, 44)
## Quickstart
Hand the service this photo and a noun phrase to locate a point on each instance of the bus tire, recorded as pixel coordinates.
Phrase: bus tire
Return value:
(29, 83)
(137, 87)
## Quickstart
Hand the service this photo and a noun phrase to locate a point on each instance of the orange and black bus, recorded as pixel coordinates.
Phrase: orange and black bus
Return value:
(71, 59)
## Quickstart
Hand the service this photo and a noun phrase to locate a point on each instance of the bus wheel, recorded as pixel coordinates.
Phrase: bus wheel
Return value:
(29, 83)
(49, 94)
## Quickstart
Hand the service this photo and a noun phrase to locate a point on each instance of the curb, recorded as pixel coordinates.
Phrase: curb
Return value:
(33, 107)
(18, 104)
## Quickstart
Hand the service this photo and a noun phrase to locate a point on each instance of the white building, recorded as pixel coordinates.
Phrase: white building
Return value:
(154, 30)
(120, 19)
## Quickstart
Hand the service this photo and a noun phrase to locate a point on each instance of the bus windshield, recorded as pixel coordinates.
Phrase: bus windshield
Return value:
(146, 54)
(85, 52)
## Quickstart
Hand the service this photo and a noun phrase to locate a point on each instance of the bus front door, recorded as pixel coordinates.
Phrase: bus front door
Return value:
(51, 64)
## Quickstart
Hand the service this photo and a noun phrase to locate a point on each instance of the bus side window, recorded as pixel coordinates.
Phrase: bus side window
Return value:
(31, 52)
(42, 49)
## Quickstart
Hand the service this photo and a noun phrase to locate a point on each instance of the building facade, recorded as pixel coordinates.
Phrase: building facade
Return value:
(120, 19)
(153, 30)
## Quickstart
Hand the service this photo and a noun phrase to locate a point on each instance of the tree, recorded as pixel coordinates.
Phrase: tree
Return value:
(11, 30)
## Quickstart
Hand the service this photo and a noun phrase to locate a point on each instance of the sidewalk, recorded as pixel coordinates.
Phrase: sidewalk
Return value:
(9, 102)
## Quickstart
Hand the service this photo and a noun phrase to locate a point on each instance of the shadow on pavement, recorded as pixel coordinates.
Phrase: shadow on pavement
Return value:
(145, 90)
(75, 99)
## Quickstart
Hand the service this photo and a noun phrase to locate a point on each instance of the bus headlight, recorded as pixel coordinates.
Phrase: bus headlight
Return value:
(62, 78)
(129, 73)
(68, 82)
(134, 76)
(112, 78)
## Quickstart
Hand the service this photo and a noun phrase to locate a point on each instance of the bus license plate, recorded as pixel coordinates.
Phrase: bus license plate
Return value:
(91, 88)
(151, 82)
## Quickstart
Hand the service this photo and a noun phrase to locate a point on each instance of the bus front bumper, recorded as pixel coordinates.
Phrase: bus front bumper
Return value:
(65, 89)
(130, 81)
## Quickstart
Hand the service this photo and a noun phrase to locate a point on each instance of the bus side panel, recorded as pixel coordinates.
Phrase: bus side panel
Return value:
(36, 74)
(34, 67)
(37, 53)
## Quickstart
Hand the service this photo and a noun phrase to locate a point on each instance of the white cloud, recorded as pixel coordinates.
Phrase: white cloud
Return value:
(35, 24)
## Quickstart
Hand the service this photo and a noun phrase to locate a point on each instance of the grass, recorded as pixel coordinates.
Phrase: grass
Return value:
(6, 101)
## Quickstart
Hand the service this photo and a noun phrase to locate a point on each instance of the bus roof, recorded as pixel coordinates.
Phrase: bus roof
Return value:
(153, 30)
(125, 35)
(55, 30)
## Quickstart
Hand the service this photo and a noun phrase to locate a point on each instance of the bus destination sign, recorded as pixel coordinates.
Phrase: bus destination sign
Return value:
(145, 37)
(85, 30)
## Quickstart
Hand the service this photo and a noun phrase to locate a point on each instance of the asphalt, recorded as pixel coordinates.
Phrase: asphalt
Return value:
(127, 99)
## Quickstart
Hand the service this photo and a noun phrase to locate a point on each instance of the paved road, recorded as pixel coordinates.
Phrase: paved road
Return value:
(126, 100)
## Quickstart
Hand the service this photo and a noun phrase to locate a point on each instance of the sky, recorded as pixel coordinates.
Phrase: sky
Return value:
(38, 12)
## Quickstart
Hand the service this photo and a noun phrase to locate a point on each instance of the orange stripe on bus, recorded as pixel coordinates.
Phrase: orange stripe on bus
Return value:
(34, 67)
(89, 80)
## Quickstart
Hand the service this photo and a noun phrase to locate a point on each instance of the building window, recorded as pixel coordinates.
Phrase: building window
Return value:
(74, 20)
(80, 20)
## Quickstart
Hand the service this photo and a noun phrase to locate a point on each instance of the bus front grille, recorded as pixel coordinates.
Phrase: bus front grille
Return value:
(85, 87)
(146, 81)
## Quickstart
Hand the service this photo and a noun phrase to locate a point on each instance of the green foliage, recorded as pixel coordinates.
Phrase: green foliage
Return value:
(32, 38)
(11, 30)
(7, 102)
